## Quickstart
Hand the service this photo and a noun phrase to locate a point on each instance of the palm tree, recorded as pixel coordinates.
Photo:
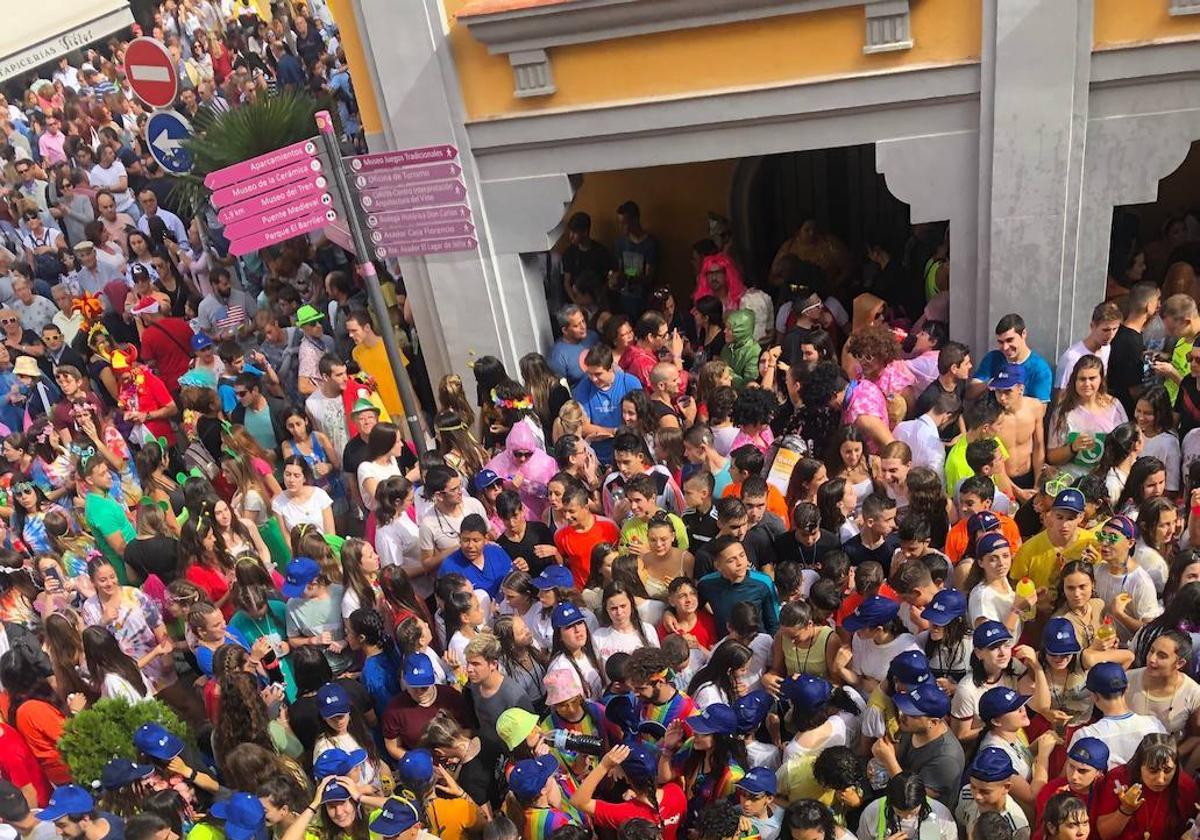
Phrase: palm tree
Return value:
(245, 131)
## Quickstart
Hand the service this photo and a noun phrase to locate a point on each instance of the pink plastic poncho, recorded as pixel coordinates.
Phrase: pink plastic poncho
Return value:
(535, 473)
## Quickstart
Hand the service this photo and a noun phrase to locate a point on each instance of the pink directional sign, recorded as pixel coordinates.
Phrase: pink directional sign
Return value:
(273, 236)
(316, 203)
(407, 175)
(427, 215)
(427, 246)
(438, 230)
(295, 153)
(402, 157)
(265, 182)
(269, 201)
(417, 195)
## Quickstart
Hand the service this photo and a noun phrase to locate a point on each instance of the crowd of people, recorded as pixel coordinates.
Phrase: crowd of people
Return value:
(747, 557)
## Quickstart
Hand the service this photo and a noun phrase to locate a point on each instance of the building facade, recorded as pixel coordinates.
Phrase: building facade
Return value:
(1021, 122)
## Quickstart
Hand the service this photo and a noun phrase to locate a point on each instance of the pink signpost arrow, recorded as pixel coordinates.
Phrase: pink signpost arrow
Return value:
(266, 182)
(428, 215)
(427, 246)
(340, 235)
(259, 239)
(408, 175)
(285, 195)
(402, 157)
(255, 166)
(417, 195)
(402, 235)
(248, 225)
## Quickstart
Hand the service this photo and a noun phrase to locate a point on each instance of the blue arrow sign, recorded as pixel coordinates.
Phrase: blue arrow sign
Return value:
(165, 132)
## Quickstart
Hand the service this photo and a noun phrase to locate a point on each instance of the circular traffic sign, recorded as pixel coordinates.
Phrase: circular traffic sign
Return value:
(165, 133)
(151, 72)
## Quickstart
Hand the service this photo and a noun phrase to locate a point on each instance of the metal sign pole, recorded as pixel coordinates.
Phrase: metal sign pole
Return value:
(366, 269)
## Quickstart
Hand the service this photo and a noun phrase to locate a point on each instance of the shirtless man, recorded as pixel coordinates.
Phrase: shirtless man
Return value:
(1019, 427)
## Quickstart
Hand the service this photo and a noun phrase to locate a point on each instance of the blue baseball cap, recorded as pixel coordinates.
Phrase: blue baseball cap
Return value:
(982, 521)
(1008, 376)
(244, 816)
(642, 763)
(990, 542)
(806, 691)
(1107, 678)
(622, 711)
(566, 614)
(121, 771)
(1000, 701)
(752, 710)
(758, 781)
(154, 740)
(528, 777)
(1090, 751)
(1069, 499)
(337, 762)
(332, 700)
(484, 479)
(926, 700)
(991, 764)
(415, 769)
(717, 719)
(554, 576)
(910, 668)
(68, 800)
(300, 573)
(418, 671)
(335, 792)
(1059, 639)
(989, 634)
(875, 611)
(946, 605)
(395, 817)
(200, 341)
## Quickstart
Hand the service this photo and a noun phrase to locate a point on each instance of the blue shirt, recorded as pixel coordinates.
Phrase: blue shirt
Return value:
(381, 677)
(204, 656)
(720, 594)
(496, 566)
(1039, 376)
(564, 358)
(603, 407)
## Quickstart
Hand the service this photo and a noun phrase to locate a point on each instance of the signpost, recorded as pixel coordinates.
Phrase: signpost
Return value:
(151, 72)
(165, 133)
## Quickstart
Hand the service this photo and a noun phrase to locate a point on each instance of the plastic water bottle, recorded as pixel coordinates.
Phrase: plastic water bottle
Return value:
(575, 742)
(1026, 589)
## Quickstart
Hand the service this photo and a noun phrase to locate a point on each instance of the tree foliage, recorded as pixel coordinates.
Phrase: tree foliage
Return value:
(103, 732)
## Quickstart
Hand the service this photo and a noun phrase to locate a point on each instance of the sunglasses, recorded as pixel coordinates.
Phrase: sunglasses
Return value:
(23, 487)
(240, 394)
(8, 320)
(522, 453)
(1109, 537)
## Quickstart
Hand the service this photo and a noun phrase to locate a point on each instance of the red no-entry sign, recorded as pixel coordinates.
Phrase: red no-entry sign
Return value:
(151, 72)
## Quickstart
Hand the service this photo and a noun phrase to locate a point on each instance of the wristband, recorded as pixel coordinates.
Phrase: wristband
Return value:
(1195, 510)
(1123, 811)
(191, 777)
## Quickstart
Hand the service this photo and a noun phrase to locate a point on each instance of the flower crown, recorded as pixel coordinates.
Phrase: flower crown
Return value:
(523, 402)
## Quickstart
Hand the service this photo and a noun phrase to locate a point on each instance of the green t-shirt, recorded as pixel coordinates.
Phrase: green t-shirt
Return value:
(105, 517)
(636, 530)
(1179, 361)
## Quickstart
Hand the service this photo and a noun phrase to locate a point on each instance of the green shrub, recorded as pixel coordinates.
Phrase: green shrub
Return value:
(97, 735)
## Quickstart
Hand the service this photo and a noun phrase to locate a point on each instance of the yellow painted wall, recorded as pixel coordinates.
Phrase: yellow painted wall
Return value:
(674, 201)
(763, 52)
(360, 68)
(1120, 23)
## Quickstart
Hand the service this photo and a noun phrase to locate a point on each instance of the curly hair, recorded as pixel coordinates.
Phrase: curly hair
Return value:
(720, 403)
(242, 718)
(754, 407)
(825, 380)
(875, 342)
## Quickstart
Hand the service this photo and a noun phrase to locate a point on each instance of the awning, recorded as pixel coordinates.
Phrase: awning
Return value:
(30, 40)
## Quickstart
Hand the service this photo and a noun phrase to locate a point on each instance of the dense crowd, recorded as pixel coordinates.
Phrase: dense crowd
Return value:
(744, 557)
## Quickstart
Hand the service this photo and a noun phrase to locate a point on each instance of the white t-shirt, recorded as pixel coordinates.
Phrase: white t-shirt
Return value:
(329, 416)
(107, 179)
(369, 469)
(872, 660)
(1022, 759)
(1066, 362)
(1138, 584)
(607, 640)
(840, 734)
(1122, 734)
(710, 693)
(296, 513)
(399, 544)
(967, 812)
(986, 602)
(437, 531)
(1165, 447)
(1154, 564)
(592, 681)
(965, 702)
(939, 825)
(116, 686)
(1173, 711)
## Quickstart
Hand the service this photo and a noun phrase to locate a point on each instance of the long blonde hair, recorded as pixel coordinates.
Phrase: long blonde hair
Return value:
(452, 397)
(570, 420)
